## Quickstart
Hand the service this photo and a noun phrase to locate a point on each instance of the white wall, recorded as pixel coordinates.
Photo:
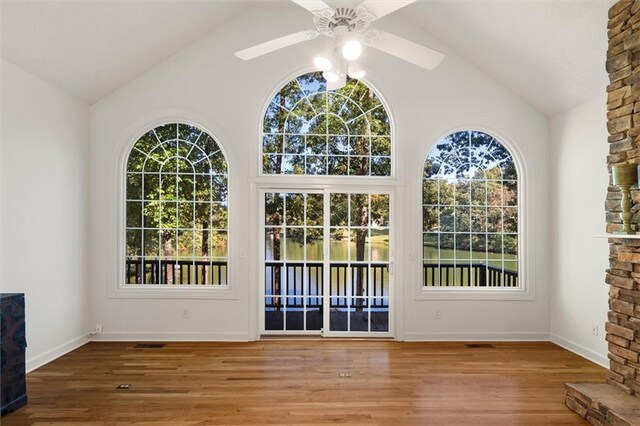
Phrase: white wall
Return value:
(579, 175)
(208, 85)
(45, 211)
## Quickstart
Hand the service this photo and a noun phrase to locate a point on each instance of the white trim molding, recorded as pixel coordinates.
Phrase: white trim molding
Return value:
(580, 350)
(172, 336)
(56, 352)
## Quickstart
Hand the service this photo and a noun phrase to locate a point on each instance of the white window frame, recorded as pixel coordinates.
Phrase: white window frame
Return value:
(526, 290)
(118, 289)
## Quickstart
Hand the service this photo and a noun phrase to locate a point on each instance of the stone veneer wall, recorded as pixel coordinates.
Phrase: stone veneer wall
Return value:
(623, 275)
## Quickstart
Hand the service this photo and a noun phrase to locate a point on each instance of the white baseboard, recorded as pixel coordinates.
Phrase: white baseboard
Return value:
(475, 337)
(580, 350)
(177, 336)
(44, 358)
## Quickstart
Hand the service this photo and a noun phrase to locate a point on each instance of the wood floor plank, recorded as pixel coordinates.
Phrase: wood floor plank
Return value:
(297, 382)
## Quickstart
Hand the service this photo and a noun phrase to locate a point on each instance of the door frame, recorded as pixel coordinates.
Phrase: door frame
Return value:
(327, 189)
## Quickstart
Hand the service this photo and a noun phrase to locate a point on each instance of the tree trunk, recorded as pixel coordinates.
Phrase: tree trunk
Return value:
(168, 252)
(205, 251)
(361, 237)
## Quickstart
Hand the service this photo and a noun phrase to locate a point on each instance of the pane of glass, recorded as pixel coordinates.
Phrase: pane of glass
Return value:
(510, 244)
(219, 216)
(358, 166)
(431, 274)
(359, 210)
(510, 219)
(134, 214)
(379, 314)
(136, 160)
(495, 246)
(315, 210)
(314, 244)
(294, 208)
(134, 186)
(510, 193)
(359, 320)
(186, 215)
(294, 317)
(446, 193)
(430, 246)
(186, 187)
(316, 165)
(151, 243)
(381, 146)
(316, 144)
(463, 220)
(446, 219)
(339, 205)
(293, 144)
(339, 145)
(479, 242)
(360, 245)
(295, 239)
(293, 164)
(168, 244)
(380, 210)
(359, 145)
(134, 243)
(273, 315)
(479, 192)
(314, 313)
(494, 219)
(338, 166)
(274, 208)
(380, 166)
(168, 131)
(359, 280)
(185, 247)
(271, 164)
(219, 244)
(338, 315)
(151, 186)
(446, 246)
(462, 197)
(430, 218)
(494, 193)
(478, 219)
(314, 283)
(463, 246)
(379, 245)
(339, 248)
(511, 266)
(429, 191)
(272, 143)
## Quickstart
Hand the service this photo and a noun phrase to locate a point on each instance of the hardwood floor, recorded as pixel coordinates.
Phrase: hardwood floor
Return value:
(297, 382)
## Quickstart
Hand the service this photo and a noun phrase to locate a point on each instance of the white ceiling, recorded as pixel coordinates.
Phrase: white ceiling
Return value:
(551, 53)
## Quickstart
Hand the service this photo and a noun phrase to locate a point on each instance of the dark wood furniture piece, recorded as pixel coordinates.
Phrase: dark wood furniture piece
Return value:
(13, 342)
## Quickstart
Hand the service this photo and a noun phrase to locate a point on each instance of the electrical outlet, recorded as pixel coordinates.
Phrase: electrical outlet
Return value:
(594, 330)
(98, 328)
(185, 313)
(438, 315)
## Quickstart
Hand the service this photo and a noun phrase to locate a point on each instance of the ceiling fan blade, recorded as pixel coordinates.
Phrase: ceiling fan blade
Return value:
(407, 50)
(312, 5)
(380, 8)
(275, 44)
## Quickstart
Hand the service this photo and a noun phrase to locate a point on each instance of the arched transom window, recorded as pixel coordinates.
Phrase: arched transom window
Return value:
(308, 130)
(176, 208)
(470, 213)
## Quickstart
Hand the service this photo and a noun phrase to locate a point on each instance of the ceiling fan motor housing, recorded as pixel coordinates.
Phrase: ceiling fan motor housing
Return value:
(343, 19)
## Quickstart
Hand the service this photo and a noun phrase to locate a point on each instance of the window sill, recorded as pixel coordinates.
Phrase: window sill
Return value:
(137, 292)
(473, 294)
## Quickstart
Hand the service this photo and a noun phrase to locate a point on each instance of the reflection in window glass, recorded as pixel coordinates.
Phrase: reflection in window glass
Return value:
(470, 213)
(176, 208)
(308, 130)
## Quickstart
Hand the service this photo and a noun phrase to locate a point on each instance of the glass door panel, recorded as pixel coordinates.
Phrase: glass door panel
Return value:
(326, 263)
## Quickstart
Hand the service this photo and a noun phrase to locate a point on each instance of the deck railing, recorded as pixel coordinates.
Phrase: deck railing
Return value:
(285, 282)
(176, 272)
(468, 275)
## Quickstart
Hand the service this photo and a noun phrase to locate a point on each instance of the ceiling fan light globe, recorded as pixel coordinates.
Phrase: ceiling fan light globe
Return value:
(322, 63)
(330, 76)
(352, 50)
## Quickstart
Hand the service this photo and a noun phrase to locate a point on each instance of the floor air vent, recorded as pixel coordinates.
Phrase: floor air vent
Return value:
(479, 345)
(149, 346)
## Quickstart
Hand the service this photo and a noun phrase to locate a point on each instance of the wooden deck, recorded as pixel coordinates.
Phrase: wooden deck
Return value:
(358, 321)
(298, 382)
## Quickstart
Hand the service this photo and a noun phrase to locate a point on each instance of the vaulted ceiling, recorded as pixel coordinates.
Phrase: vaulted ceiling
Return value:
(551, 53)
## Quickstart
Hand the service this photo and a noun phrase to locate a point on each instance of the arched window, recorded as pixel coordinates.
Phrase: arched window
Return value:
(176, 208)
(308, 130)
(470, 213)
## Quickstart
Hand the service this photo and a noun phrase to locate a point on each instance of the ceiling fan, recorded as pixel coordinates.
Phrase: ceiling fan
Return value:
(348, 27)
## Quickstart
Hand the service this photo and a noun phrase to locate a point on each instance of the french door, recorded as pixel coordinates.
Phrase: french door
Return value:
(327, 263)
